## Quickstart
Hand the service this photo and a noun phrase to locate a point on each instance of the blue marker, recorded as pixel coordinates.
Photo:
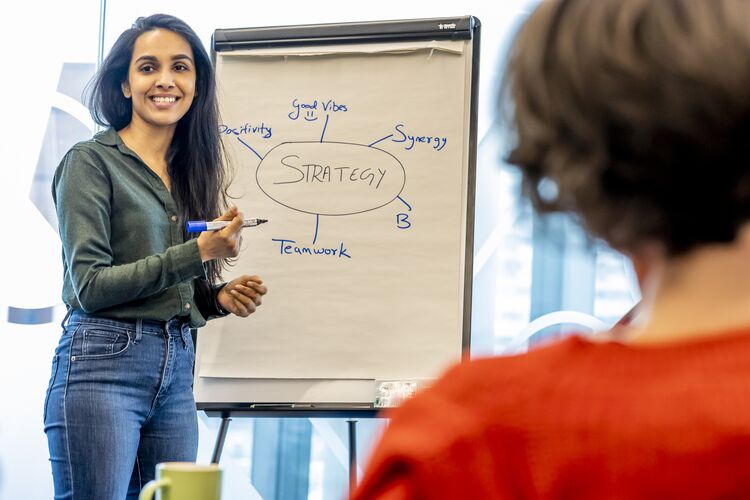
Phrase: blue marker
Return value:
(197, 226)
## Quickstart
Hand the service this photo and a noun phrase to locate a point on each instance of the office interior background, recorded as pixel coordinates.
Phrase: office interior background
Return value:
(535, 278)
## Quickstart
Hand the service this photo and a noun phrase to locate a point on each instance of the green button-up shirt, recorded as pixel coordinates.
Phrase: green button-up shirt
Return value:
(124, 252)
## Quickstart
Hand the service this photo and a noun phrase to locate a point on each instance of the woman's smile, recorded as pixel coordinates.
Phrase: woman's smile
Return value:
(162, 101)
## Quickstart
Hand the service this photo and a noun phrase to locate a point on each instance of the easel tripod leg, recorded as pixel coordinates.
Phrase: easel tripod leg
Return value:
(352, 455)
(220, 438)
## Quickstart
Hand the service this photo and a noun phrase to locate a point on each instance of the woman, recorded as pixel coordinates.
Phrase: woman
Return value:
(634, 115)
(120, 398)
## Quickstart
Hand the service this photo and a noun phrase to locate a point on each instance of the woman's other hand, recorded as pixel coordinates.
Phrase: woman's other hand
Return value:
(224, 243)
(242, 295)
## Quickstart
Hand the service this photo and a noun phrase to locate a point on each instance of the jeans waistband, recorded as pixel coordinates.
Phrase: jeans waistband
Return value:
(174, 325)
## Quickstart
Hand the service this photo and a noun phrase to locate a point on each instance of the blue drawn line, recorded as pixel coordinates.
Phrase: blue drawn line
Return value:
(324, 129)
(317, 220)
(250, 148)
(384, 138)
(407, 205)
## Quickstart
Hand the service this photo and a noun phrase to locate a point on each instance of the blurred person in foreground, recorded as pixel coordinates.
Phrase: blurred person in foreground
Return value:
(633, 115)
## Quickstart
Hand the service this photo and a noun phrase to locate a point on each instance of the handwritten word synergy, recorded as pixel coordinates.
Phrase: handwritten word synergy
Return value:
(437, 143)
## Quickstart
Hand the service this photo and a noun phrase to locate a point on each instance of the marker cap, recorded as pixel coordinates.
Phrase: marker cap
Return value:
(196, 226)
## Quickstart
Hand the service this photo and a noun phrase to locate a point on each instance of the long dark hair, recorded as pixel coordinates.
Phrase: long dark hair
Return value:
(196, 159)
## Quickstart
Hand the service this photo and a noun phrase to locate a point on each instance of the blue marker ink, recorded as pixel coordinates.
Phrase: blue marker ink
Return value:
(309, 110)
(334, 107)
(401, 133)
(437, 143)
(402, 221)
(289, 247)
(324, 129)
(404, 202)
(379, 140)
(317, 222)
(247, 129)
(342, 252)
(248, 146)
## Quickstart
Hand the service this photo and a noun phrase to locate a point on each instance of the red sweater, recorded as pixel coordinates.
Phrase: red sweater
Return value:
(576, 420)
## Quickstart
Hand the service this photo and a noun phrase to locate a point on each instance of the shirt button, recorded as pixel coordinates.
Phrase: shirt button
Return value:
(173, 218)
(187, 306)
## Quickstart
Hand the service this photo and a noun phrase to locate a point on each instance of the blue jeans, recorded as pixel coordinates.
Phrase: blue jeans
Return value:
(119, 401)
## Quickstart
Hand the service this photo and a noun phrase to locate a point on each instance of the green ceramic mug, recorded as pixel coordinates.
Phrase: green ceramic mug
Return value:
(184, 481)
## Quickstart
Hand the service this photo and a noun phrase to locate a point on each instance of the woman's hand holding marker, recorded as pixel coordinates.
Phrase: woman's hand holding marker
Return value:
(242, 295)
(224, 243)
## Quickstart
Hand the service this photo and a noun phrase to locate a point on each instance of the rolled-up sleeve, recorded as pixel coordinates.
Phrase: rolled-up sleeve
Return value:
(207, 300)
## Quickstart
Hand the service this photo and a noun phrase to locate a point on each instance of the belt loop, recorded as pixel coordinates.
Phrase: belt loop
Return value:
(184, 333)
(138, 330)
(67, 316)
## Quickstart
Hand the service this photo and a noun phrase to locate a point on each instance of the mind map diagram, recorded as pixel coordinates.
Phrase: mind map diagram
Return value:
(328, 178)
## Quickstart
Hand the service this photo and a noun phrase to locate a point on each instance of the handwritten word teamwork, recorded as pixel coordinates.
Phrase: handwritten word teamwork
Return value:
(285, 248)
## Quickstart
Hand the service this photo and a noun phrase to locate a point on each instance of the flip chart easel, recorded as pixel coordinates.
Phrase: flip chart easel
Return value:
(358, 142)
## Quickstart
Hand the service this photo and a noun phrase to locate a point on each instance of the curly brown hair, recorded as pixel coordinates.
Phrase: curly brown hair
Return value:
(638, 111)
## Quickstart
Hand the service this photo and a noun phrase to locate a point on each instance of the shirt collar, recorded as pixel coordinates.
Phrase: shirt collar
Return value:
(108, 137)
